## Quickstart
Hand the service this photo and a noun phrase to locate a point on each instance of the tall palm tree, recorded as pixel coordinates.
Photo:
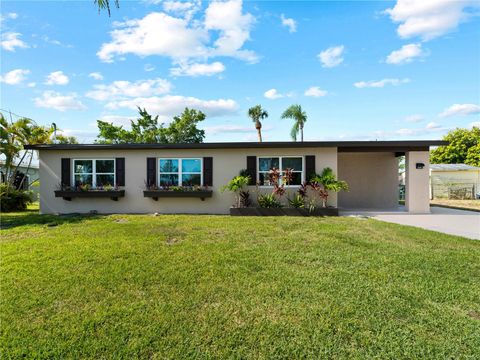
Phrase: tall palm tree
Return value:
(296, 113)
(105, 4)
(256, 113)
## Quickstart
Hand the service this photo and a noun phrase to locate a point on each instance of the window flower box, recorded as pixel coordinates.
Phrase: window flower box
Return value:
(70, 194)
(258, 211)
(155, 194)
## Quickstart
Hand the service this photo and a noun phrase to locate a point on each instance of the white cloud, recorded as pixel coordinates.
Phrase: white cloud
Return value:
(332, 56)
(185, 9)
(57, 78)
(148, 67)
(407, 53)
(183, 38)
(461, 110)
(227, 128)
(11, 40)
(32, 84)
(414, 118)
(273, 94)
(429, 19)
(315, 91)
(289, 23)
(8, 16)
(475, 124)
(57, 101)
(96, 76)
(122, 88)
(15, 77)
(234, 27)
(432, 125)
(380, 83)
(171, 105)
(196, 69)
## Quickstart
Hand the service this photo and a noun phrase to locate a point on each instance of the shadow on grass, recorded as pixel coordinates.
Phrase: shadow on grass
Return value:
(32, 217)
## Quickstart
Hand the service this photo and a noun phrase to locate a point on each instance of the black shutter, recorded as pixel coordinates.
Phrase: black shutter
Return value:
(151, 171)
(66, 174)
(309, 167)
(208, 171)
(252, 169)
(120, 171)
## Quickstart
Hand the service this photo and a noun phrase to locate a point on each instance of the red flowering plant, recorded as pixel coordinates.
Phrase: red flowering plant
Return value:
(274, 179)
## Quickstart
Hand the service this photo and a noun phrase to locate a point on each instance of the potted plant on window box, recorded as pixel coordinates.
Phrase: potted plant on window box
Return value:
(154, 192)
(87, 191)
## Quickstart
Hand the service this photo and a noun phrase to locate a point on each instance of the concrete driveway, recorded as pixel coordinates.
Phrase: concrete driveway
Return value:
(448, 221)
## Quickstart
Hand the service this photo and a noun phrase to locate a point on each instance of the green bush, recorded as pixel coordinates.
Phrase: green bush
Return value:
(269, 201)
(14, 200)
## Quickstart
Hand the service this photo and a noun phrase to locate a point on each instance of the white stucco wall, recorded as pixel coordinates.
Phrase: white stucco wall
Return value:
(372, 178)
(226, 164)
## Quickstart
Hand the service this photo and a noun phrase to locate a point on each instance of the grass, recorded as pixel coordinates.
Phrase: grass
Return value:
(131, 286)
(461, 204)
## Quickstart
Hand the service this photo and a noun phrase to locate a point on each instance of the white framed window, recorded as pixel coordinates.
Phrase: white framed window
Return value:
(180, 172)
(294, 163)
(94, 172)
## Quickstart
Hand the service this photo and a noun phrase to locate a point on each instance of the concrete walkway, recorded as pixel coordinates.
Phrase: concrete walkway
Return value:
(448, 221)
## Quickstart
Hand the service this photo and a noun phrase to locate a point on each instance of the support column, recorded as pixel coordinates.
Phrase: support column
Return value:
(417, 181)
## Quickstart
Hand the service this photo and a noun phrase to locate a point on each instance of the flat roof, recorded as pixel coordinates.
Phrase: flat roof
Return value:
(343, 146)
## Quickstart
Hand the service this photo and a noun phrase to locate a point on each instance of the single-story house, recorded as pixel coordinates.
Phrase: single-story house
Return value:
(454, 180)
(31, 173)
(369, 167)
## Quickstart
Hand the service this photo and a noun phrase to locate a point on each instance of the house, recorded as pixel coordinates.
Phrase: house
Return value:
(31, 174)
(454, 181)
(369, 167)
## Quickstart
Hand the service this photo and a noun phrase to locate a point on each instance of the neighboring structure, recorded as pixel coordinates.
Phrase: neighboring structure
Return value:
(369, 167)
(32, 175)
(456, 181)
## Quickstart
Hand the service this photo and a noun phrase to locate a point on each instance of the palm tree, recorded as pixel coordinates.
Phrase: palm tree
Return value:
(105, 4)
(296, 113)
(256, 113)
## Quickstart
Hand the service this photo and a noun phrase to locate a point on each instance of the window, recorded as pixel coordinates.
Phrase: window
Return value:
(95, 173)
(180, 172)
(265, 164)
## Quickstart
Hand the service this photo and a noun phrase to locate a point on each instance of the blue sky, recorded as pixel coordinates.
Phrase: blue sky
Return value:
(361, 70)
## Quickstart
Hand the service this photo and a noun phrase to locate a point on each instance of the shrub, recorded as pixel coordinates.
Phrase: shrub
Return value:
(236, 185)
(269, 201)
(12, 199)
(245, 200)
(297, 201)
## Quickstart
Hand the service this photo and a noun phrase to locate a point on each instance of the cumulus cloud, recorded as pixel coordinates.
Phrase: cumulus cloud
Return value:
(96, 76)
(315, 91)
(461, 110)
(182, 38)
(196, 69)
(407, 53)
(429, 19)
(474, 124)
(57, 101)
(184, 9)
(57, 78)
(170, 105)
(11, 40)
(380, 83)
(289, 23)
(15, 77)
(273, 94)
(332, 56)
(414, 118)
(122, 88)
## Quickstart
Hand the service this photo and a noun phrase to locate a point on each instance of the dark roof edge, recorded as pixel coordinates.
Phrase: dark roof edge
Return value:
(355, 145)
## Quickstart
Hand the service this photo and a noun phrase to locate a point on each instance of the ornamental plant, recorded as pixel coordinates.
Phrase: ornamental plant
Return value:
(325, 182)
(236, 185)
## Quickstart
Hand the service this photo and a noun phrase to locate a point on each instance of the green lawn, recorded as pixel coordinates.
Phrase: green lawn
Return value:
(129, 286)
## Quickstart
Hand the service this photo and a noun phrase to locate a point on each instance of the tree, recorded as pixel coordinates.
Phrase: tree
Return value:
(146, 129)
(463, 148)
(105, 4)
(299, 116)
(256, 113)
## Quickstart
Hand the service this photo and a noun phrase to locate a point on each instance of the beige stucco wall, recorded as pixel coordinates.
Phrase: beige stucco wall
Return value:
(417, 189)
(226, 164)
(372, 178)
